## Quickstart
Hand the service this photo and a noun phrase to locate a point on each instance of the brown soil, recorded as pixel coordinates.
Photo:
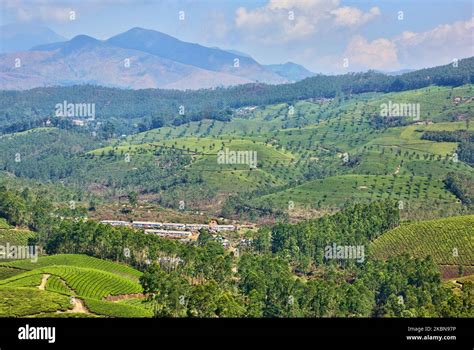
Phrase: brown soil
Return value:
(79, 307)
(452, 271)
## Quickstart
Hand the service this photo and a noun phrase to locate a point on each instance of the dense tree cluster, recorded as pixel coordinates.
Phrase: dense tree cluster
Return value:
(203, 279)
(449, 136)
(304, 243)
(25, 208)
(379, 122)
(400, 287)
(461, 186)
(466, 152)
(464, 137)
(237, 206)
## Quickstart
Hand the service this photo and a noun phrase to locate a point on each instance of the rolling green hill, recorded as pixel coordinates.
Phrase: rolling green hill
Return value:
(21, 302)
(133, 108)
(60, 277)
(85, 282)
(15, 237)
(449, 241)
(322, 146)
(317, 153)
(336, 191)
(76, 260)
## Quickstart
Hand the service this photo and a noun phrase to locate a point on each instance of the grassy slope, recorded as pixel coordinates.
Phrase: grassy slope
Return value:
(20, 302)
(223, 177)
(77, 260)
(337, 190)
(87, 278)
(291, 146)
(443, 239)
(15, 237)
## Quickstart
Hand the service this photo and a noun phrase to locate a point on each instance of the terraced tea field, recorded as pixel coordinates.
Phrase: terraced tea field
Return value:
(86, 282)
(89, 280)
(28, 280)
(448, 241)
(57, 285)
(15, 237)
(4, 224)
(116, 309)
(77, 260)
(21, 302)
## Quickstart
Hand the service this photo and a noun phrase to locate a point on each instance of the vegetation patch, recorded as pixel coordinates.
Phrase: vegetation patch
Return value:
(448, 241)
(20, 301)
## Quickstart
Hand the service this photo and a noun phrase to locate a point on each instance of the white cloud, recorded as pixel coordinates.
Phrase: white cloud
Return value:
(353, 17)
(380, 54)
(258, 17)
(274, 23)
(440, 45)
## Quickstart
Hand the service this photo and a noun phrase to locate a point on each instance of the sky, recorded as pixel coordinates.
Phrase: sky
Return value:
(326, 36)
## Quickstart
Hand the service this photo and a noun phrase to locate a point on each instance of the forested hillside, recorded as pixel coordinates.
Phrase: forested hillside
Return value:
(301, 166)
(152, 108)
(202, 279)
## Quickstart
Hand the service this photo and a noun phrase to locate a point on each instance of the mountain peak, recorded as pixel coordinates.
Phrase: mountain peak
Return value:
(151, 35)
(79, 42)
(140, 29)
(66, 47)
(159, 60)
(83, 40)
(291, 71)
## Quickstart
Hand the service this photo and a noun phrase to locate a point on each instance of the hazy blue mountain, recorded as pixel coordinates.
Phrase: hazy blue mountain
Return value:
(20, 37)
(156, 60)
(65, 48)
(85, 60)
(212, 59)
(290, 71)
(238, 53)
(234, 52)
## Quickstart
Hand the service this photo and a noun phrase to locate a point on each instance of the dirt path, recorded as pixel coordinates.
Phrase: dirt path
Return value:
(43, 281)
(79, 307)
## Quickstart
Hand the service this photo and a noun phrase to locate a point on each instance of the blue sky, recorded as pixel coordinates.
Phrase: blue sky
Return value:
(321, 34)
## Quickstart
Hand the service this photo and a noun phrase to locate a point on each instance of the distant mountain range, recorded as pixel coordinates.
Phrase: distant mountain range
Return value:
(291, 71)
(136, 59)
(20, 37)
